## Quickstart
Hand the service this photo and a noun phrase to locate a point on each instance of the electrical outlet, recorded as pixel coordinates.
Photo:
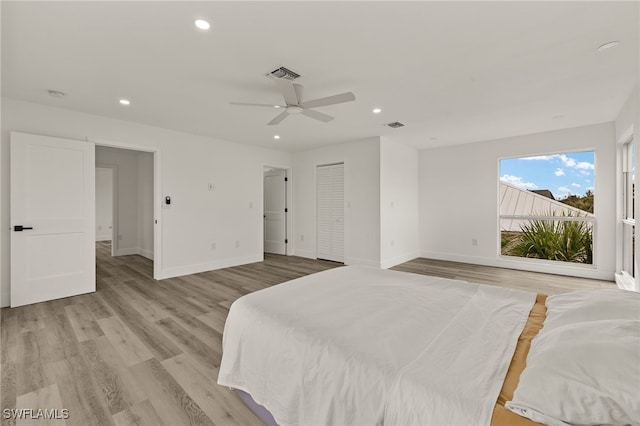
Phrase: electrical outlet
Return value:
(237, 243)
(392, 243)
(474, 242)
(250, 205)
(213, 246)
(301, 237)
(212, 187)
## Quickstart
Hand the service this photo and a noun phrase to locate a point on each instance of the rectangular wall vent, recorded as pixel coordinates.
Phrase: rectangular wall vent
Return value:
(395, 124)
(284, 74)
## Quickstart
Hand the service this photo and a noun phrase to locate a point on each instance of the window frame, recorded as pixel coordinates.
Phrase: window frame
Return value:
(592, 220)
(628, 222)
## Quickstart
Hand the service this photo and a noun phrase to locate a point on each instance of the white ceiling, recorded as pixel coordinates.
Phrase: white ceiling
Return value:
(452, 72)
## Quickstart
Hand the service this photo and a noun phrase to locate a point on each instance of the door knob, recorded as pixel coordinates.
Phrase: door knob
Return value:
(20, 228)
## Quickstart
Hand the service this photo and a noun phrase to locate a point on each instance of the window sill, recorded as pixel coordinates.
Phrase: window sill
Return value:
(625, 281)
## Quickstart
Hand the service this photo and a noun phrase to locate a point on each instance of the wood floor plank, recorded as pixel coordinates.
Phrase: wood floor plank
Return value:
(215, 319)
(95, 305)
(31, 317)
(132, 392)
(30, 370)
(204, 354)
(45, 398)
(9, 334)
(79, 393)
(141, 414)
(106, 379)
(155, 341)
(82, 322)
(168, 398)
(8, 391)
(149, 309)
(127, 345)
(218, 403)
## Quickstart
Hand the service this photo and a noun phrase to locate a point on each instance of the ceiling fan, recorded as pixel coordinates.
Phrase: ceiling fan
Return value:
(292, 94)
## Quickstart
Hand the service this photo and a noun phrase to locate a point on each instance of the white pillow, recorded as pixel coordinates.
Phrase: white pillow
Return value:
(591, 305)
(586, 373)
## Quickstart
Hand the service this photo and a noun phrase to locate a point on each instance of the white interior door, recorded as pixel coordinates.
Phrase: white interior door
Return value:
(275, 216)
(330, 215)
(52, 218)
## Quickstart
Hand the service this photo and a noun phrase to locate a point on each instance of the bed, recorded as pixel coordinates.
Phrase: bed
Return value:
(364, 346)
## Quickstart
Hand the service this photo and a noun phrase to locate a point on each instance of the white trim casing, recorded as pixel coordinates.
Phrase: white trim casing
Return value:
(157, 202)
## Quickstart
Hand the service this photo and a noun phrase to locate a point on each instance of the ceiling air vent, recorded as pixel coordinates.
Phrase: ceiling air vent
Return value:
(395, 124)
(283, 74)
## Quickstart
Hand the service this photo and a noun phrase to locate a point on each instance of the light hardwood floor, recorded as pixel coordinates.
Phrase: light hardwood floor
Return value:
(145, 352)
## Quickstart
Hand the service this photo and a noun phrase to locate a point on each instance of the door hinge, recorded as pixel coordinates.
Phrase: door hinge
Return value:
(286, 241)
(286, 210)
(286, 179)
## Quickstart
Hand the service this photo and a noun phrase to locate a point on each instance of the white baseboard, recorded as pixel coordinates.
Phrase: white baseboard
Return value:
(305, 253)
(386, 264)
(103, 237)
(547, 267)
(126, 251)
(357, 261)
(179, 271)
(134, 250)
(145, 253)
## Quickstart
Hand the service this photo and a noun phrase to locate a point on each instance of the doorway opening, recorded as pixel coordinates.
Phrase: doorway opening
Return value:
(275, 210)
(330, 212)
(104, 203)
(126, 220)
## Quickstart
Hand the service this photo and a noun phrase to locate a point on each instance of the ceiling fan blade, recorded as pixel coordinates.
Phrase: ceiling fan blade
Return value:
(298, 88)
(317, 115)
(288, 92)
(259, 105)
(278, 118)
(329, 100)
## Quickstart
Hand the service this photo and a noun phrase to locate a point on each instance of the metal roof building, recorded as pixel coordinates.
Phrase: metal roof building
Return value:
(515, 201)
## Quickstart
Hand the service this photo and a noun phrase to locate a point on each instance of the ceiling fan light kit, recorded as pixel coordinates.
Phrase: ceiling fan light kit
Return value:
(292, 94)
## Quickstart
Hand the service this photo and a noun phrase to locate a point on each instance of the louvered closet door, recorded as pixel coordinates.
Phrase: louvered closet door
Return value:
(330, 204)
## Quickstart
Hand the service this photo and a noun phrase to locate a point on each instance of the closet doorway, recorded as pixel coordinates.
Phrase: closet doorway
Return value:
(275, 210)
(330, 212)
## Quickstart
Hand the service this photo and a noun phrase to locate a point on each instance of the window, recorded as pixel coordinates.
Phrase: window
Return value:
(547, 207)
(628, 216)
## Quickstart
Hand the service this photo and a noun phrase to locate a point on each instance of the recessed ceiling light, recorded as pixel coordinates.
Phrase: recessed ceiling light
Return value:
(276, 136)
(202, 24)
(56, 93)
(125, 102)
(276, 106)
(609, 45)
(558, 117)
(377, 110)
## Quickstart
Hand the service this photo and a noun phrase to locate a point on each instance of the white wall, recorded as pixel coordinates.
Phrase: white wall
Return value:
(104, 203)
(458, 198)
(125, 163)
(362, 199)
(197, 217)
(629, 115)
(398, 203)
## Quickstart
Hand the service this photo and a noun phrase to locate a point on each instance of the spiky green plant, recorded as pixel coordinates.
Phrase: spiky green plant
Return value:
(562, 240)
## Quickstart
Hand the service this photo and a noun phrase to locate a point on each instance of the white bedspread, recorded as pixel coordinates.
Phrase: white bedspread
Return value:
(364, 346)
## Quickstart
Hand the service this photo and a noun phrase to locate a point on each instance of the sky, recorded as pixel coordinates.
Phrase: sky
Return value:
(562, 174)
